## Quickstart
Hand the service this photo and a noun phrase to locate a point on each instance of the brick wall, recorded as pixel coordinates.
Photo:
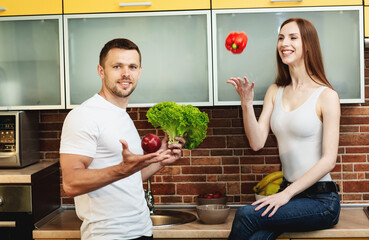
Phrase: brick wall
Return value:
(224, 161)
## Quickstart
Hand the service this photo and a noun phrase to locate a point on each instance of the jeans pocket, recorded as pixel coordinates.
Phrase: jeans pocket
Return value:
(331, 202)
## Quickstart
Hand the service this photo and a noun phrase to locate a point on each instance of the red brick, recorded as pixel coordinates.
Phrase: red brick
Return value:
(265, 168)
(361, 175)
(357, 149)
(171, 199)
(229, 177)
(231, 169)
(272, 160)
(206, 161)
(352, 196)
(355, 111)
(356, 186)
(143, 125)
(221, 152)
(216, 123)
(49, 134)
(163, 188)
(49, 145)
(230, 160)
(361, 167)
(246, 187)
(234, 188)
(237, 142)
(349, 176)
(349, 129)
(213, 142)
(200, 152)
(237, 123)
(225, 113)
(347, 167)
(246, 168)
(182, 162)
(228, 131)
(364, 128)
(353, 158)
(211, 178)
(252, 160)
(51, 126)
(202, 170)
(248, 177)
(354, 120)
(353, 139)
(184, 178)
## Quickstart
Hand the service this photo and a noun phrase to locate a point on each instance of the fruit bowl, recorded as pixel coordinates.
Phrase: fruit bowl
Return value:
(212, 198)
(213, 213)
(257, 196)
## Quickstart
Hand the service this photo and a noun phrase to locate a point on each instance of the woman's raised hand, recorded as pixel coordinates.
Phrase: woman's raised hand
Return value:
(244, 89)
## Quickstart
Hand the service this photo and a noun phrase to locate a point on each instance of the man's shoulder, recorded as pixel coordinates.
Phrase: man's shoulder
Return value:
(87, 109)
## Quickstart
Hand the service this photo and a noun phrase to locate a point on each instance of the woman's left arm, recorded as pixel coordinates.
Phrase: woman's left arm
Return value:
(328, 108)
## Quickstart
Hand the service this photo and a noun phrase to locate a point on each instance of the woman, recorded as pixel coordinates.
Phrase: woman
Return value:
(303, 111)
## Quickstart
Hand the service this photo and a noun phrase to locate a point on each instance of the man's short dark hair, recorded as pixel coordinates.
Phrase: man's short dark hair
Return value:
(121, 43)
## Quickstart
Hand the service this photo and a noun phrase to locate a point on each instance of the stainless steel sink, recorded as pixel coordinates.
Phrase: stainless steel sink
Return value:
(163, 218)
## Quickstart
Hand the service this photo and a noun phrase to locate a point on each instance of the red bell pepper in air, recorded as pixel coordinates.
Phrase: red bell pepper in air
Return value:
(236, 42)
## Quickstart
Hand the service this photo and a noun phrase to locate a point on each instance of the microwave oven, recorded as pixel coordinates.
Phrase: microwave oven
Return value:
(19, 138)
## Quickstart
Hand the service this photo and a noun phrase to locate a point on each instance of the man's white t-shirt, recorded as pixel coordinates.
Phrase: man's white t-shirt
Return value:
(118, 210)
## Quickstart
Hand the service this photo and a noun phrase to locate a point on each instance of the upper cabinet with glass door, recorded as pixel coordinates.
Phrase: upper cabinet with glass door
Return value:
(175, 48)
(27, 7)
(31, 59)
(224, 4)
(340, 31)
(97, 6)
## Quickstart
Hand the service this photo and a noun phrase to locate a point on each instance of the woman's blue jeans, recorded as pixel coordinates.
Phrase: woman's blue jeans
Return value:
(301, 213)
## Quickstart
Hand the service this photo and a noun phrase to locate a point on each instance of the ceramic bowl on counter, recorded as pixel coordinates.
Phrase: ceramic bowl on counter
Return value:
(213, 213)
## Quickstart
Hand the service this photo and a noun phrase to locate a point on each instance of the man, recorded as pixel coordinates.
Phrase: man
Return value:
(101, 158)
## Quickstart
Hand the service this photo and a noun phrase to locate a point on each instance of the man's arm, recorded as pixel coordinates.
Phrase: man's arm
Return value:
(78, 179)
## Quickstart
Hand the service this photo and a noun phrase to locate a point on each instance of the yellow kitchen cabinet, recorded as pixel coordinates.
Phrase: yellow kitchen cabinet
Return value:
(97, 6)
(27, 7)
(366, 21)
(366, 2)
(224, 4)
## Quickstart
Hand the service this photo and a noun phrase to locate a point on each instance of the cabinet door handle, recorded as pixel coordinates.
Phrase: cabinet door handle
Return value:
(2, 9)
(7, 224)
(285, 0)
(137, 4)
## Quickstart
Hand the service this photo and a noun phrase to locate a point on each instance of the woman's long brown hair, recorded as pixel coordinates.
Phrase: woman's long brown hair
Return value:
(312, 55)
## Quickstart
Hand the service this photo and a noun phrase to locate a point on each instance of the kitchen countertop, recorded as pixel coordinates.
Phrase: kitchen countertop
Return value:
(353, 223)
(23, 175)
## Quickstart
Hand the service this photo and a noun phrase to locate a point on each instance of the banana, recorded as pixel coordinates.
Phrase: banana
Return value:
(268, 179)
(271, 188)
(278, 181)
(262, 193)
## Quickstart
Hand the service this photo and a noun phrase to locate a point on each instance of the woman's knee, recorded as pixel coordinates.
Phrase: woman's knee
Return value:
(245, 211)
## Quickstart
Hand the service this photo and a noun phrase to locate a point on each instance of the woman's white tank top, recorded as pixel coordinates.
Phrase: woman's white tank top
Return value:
(299, 134)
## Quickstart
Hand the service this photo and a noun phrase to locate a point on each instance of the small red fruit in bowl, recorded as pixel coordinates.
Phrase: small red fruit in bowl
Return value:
(150, 143)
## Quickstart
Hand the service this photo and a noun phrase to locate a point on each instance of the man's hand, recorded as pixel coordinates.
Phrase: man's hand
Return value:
(175, 150)
(133, 163)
